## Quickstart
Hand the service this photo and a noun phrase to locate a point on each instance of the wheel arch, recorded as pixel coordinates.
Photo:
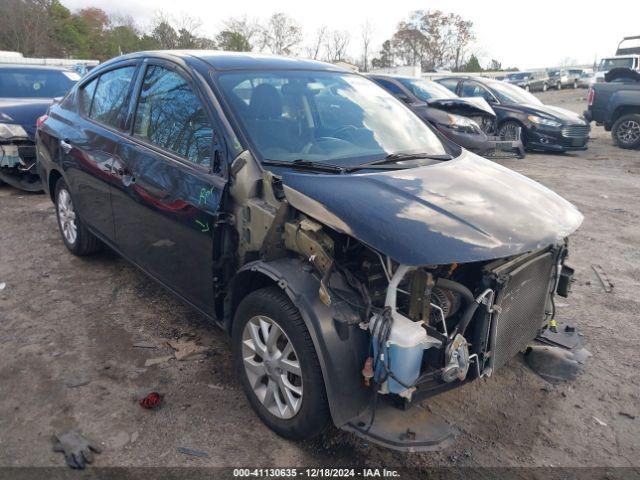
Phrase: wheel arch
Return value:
(341, 348)
(624, 110)
(54, 176)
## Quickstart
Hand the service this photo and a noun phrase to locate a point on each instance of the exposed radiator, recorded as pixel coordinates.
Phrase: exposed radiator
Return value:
(521, 301)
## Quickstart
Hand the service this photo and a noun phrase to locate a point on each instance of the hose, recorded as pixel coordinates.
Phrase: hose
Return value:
(472, 305)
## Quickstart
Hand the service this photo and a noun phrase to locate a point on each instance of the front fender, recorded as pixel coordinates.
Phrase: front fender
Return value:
(341, 348)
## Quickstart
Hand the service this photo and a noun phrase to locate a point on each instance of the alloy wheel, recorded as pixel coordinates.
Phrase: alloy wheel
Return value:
(272, 366)
(67, 217)
(508, 131)
(629, 131)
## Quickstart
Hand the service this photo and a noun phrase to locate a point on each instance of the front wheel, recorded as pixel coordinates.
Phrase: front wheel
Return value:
(511, 131)
(77, 238)
(626, 131)
(278, 366)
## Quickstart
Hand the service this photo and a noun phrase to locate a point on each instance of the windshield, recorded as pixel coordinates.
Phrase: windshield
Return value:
(323, 116)
(427, 90)
(35, 83)
(608, 63)
(511, 94)
(516, 76)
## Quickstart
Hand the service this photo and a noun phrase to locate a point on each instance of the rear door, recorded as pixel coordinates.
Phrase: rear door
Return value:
(88, 141)
(170, 189)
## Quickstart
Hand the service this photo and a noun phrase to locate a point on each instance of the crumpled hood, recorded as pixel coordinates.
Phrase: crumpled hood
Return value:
(464, 210)
(24, 111)
(472, 105)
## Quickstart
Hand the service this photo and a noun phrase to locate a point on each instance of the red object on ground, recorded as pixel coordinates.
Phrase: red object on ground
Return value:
(151, 401)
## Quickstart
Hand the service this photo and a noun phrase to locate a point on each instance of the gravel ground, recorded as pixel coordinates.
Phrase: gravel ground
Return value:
(68, 326)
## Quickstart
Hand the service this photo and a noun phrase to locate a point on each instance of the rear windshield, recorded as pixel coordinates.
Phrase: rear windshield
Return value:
(35, 83)
(610, 63)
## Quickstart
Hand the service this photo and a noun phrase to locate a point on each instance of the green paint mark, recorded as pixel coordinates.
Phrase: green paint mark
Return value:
(204, 227)
(204, 195)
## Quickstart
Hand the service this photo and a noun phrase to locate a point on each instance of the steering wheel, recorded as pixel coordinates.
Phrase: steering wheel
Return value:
(316, 143)
(345, 129)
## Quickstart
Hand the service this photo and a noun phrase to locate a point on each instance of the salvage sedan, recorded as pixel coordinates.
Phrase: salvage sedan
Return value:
(25, 94)
(469, 122)
(543, 127)
(359, 262)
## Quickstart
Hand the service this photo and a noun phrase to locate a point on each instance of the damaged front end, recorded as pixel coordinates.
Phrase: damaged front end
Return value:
(18, 158)
(411, 282)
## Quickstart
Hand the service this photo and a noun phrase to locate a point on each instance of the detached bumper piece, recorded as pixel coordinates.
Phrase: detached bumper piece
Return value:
(498, 148)
(18, 166)
(413, 430)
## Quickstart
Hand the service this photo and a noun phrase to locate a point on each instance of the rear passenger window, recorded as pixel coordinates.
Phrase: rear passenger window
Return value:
(85, 95)
(110, 95)
(170, 115)
(450, 83)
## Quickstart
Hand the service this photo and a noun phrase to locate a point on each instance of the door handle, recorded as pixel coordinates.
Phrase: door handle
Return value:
(65, 145)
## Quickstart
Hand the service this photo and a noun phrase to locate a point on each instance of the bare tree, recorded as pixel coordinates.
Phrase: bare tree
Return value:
(248, 27)
(366, 32)
(281, 35)
(315, 49)
(336, 45)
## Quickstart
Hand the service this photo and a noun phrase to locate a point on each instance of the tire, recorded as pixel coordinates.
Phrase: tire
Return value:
(626, 131)
(509, 126)
(83, 242)
(306, 411)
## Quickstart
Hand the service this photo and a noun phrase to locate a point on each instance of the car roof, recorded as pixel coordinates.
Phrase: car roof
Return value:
(26, 66)
(396, 77)
(219, 60)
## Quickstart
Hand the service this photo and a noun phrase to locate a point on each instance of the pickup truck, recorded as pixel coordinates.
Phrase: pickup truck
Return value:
(615, 104)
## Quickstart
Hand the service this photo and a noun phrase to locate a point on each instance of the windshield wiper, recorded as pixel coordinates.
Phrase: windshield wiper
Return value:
(399, 157)
(307, 165)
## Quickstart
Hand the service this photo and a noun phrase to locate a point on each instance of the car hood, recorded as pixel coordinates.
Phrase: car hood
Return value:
(24, 111)
(561, 114)
(467, 105)
(463, 210)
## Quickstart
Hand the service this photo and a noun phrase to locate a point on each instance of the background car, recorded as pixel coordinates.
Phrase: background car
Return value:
(561, 78)
(529, 81)
(469, 122)
(544, 127)
(26, 92)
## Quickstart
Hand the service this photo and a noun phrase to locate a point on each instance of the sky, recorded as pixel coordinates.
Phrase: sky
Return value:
(536, 34)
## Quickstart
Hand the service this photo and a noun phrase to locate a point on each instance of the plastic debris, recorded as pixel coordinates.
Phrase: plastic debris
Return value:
(599, 422)
(78, 451)
(192, 452)
(556, 364)
(151, 401)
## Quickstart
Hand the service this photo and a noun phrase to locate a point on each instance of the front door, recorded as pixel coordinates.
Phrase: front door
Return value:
(169, 192)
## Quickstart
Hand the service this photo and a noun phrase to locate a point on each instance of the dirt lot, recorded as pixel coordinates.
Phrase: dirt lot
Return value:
(68, 326)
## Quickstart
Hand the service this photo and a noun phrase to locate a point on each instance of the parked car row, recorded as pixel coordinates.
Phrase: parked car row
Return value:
(358, 258)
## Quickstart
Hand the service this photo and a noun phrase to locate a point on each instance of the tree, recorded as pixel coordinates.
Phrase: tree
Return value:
(386, 58)
(494, 65)
(433, 39)
(233, 42)
(336, 44)
(249, 28)
(366, 32)
(473, 65)
(315, 49)
(281, 35)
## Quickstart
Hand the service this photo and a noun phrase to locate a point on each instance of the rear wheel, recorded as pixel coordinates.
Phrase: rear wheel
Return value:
(77, 238)
(278, 366)
(626, 131)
